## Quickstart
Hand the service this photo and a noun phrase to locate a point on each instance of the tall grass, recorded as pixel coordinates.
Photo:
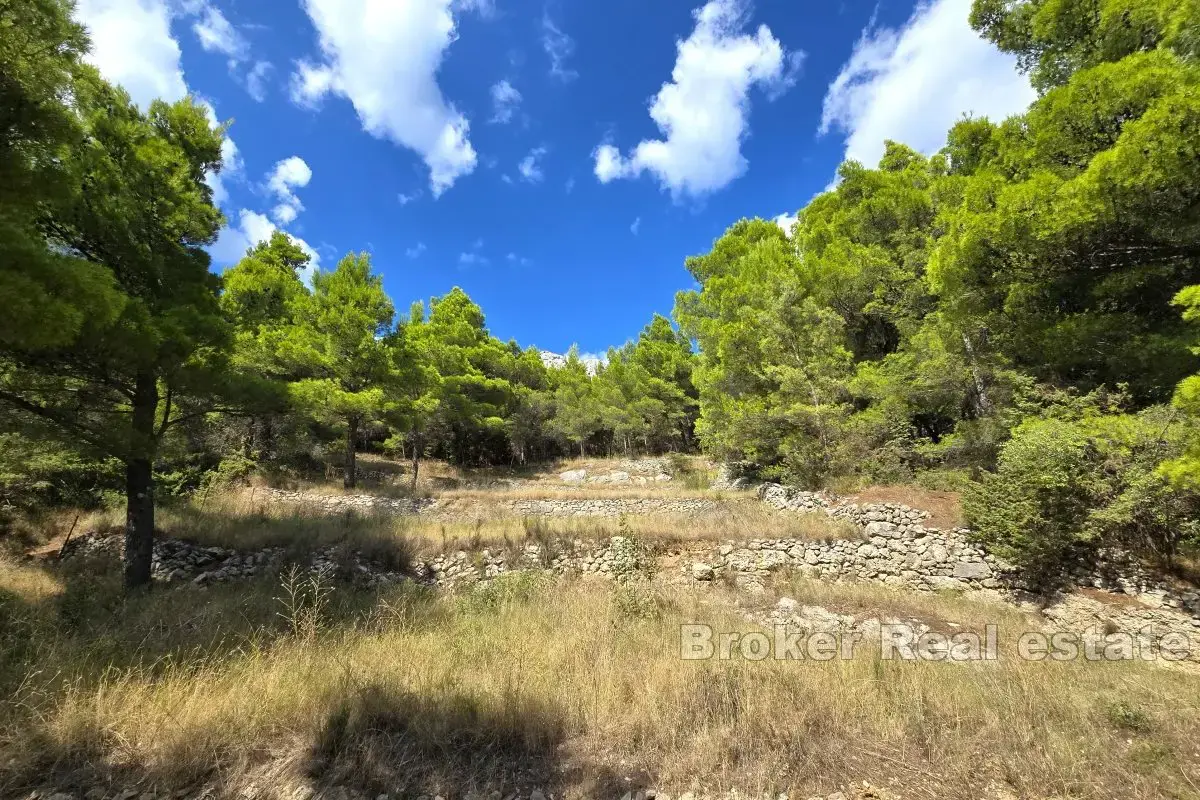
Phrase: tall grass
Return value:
(570, 686)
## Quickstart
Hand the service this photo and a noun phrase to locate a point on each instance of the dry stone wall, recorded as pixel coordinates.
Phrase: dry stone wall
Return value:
(342, 503)
(558, 507)
(896, 548)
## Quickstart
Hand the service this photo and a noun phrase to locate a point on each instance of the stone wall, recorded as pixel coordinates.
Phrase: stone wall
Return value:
(559, 507)
(896, 549)
(342, 503)
(612, 506)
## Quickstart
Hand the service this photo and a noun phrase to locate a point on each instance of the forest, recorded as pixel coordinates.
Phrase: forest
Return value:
(1016, 317)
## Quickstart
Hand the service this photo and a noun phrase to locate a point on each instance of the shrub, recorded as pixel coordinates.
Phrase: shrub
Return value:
(1086, 479)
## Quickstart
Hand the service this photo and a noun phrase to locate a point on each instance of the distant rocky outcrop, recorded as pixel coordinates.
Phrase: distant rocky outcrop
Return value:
(558, 361)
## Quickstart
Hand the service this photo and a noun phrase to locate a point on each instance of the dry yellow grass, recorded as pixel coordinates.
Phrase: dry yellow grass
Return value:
(247, 520)
(574, 687)
(689, 474)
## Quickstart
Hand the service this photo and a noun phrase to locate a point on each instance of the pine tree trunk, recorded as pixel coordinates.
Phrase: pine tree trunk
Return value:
(348, 481)
(582, 454)
(416, 459)
(139, 484)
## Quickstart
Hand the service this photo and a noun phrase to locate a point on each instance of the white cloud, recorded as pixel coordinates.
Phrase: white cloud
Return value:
(468, 259)
(513, 258)
(310, 83)
(231, 167)
(252, 228)
(505, 101)
(289, 174)
(217, 35)
(636, 226)
(559, 47)
(530, 168)
(256, 80)
(384, 58)
(911, 85)
(405, 199)
(787, 222)
(132, 46)
(415, 251)
(570, 185)
(703, 112)
(231, 159)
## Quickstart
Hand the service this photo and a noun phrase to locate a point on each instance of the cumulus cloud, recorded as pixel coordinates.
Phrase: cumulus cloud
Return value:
(256, 80)
(912, 84)
(505, 101)
(703, 112)
(469, 259)
(513, 258)
(636, 226)
(416, 250)
(530, 168)
(252, 228)
(559, 47)
(287, 176)
(384, 58)
(217, 35)
(132, 46)
(787, 222)
(405, 199)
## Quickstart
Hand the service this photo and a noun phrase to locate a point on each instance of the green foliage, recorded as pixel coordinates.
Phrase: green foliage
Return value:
(1184, 469)
(337, 348)
(40, 64)
(1125, 717)
(1081, 475)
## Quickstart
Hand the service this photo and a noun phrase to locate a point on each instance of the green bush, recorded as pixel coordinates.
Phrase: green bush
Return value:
(1071, 480)
(43, 474)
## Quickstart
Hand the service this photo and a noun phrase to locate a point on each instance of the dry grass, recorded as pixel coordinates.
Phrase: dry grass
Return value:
(591, 491)
(243, 520)
(574, 687)
(690, 473)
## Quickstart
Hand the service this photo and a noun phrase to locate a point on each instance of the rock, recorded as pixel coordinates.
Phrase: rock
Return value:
(573, 476)
(880, 529)
(703, 572)
(972, 570)
(537, 794)
(786, 605)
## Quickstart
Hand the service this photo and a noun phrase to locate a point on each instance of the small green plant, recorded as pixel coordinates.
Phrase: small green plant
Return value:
(632, 557)
(511, 588)
(637, 600)
(1125, 717)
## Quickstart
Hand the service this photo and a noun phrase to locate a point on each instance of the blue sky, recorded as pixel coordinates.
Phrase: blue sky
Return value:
(558, 159)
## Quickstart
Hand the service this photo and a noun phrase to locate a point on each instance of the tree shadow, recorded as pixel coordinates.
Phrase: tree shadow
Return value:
(382, 741)
(376, 741)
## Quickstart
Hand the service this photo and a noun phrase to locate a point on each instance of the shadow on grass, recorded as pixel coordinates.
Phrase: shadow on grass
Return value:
(376, 740)
(381, 538)
(379, 740)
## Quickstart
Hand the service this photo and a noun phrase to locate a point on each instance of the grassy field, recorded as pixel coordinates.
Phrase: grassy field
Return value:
(573, 687)
(263, 687)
